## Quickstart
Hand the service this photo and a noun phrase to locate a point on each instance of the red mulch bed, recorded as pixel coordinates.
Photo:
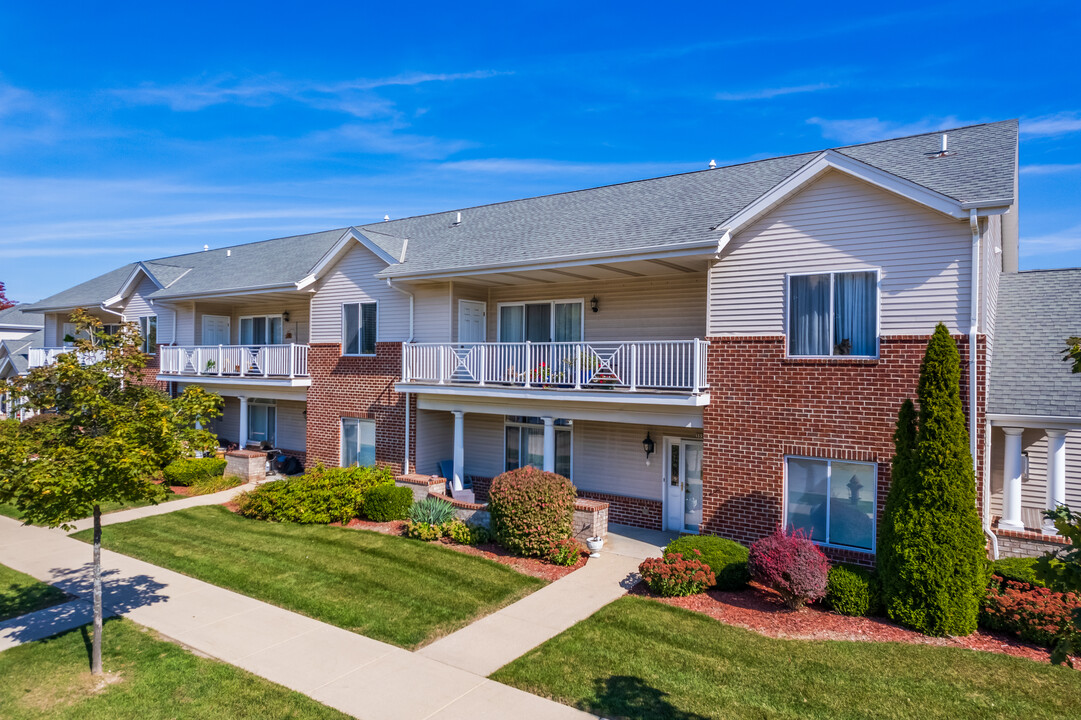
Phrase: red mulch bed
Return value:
(761, 610)
(526, 566)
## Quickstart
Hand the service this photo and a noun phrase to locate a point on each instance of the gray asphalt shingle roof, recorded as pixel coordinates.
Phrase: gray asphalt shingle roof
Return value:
(645, 214)
(1037, 311)
(17, 315)
(18, 351)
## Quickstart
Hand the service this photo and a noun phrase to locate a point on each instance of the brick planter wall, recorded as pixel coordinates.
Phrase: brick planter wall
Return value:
(248, 464)
(622, 510)
(1012, 543)
(360, 387)
(764, 406)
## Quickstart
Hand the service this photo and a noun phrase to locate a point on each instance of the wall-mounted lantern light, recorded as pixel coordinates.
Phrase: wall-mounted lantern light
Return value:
(594, 305)
(648, 445)
(285, 316)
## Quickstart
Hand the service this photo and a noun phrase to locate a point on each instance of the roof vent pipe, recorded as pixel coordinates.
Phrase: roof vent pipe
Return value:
(228, 253)
(386, 218)
(458, 219)
(205, 248)
(712, 164)
(945, 142)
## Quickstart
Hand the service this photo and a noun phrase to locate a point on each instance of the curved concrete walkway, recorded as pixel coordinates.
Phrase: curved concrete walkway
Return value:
(355, 674)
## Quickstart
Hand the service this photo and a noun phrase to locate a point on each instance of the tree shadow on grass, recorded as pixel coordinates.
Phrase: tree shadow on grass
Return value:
(623, 696)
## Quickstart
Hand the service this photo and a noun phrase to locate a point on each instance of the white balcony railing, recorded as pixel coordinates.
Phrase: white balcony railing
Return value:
(42, 356)
(238, 361)
(632, 365)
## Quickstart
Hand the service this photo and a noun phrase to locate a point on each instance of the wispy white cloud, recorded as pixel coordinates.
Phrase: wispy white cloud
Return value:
(1051, 125)
(860, 130)
(1067, 240)
(382, 139)
(768, 93)
(1049, 169)
(354, 97)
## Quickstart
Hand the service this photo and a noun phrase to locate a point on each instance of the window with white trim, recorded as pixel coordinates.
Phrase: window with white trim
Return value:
(833, 313)
(832, 501)
(548, 321)
(261, 330)
(148, 329)
(524, 443)
(359, 325)
(358, 442)
(262, 421)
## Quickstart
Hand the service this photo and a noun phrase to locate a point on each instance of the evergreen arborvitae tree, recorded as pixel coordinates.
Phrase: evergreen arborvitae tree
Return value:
(932, 556)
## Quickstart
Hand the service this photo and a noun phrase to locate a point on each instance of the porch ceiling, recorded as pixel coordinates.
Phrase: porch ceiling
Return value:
(260, 387)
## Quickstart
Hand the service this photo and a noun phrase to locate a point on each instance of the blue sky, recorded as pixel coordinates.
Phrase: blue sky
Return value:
(137, 130)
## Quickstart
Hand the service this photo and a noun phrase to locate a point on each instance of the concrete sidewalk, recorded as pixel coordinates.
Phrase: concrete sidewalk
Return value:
(495, 640)
(167, 507)
(357, 675)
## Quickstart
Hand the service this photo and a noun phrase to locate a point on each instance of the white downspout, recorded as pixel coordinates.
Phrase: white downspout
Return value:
(412, 301)
(973, 376)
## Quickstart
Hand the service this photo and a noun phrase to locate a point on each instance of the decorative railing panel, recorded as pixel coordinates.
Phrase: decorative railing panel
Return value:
(278, 361)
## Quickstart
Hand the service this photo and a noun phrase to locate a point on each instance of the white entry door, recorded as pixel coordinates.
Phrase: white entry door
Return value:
(215, 330)
(471, 322)
(682, 485)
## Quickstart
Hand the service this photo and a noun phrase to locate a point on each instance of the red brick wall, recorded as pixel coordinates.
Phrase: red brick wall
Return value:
(148, 375)
(624, 510)
(361, 387)
(764, 406)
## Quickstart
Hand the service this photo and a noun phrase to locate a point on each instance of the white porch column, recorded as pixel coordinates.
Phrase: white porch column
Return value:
(243, 441)
(459, 450)
(1056, 473)
(1011, 473)
(549, 444)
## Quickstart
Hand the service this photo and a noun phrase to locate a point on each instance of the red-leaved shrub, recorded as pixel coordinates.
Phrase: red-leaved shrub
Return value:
(674, 576)
(1036, 614)
(792, 565)
(530, 509)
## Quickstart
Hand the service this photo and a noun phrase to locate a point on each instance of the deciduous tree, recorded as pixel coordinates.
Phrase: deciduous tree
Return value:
(4, 302)
(100, 436)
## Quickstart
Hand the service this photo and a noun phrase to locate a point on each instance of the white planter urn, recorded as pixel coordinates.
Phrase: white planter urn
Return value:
(595, 544)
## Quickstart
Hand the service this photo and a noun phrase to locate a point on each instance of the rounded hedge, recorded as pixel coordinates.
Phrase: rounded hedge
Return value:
(530, 509)
(1017, 569)
(726, 558)
(188, 471)
(853, 591)
(384, 503)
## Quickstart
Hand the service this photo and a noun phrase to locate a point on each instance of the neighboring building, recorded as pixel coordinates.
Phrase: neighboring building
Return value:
(754, 327)
(1034, 408)
(19, 330)
(17, 323)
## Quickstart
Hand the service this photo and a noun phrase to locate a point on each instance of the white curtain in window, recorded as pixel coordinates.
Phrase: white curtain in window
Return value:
(808, 315)
(854, 313)
(568, 322)
(512, 323)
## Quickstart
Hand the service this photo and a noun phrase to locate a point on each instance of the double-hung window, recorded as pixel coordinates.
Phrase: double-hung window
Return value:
(359, 328)
(832, 501)
(549, 321)
(261, 330)
(525, 443)
(358, 442)
(148, 328)
(834, 313)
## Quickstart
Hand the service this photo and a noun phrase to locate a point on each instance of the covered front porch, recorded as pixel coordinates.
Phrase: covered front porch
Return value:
(601, 447)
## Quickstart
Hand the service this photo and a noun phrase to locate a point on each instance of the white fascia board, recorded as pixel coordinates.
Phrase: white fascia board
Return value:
(831, 160)
(1044, 422)
(248, 386)
(573, 396)
(332, 255)
(711, 247)
(254, 290)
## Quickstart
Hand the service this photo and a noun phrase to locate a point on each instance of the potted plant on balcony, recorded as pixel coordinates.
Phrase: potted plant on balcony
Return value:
(210, 365)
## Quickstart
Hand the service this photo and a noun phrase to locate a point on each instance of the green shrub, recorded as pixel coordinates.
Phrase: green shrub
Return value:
(564, 552)
(432, 510)
(466, 533)
(1021, 570)
(853, 591)
(931, 555)
(423, 531)
(189, 471)
(530, 509)
(726, 558)
(323, 496)
(383, 503)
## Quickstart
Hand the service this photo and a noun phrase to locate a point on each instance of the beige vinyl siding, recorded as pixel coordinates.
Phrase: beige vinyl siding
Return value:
(990, 271)
(292, 428)
(431, 323)
(462, 291)
(138, 305)
(1034, 489)
(838, 223)
(294, 331)
(351, 280)
(185, 323)
(434, 441)
(227, 427)
(671, 307)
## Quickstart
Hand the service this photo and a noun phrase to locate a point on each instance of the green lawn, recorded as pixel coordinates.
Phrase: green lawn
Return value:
(148, 679)
(637, 658)
(389, 588)
(21, 594)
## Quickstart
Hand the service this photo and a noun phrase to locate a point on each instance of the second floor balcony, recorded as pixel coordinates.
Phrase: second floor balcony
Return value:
(44, 356)
(236, 362)
(628, 366)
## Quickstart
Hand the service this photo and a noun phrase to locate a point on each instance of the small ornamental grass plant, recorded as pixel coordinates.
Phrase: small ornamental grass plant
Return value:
(792, 565)
(676, 576)
(530, 509)
(431, 510)
(1033, 613)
